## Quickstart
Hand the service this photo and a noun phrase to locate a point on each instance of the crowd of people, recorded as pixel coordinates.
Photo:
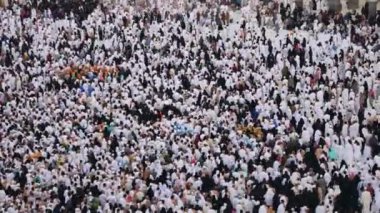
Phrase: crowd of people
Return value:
(189, 108)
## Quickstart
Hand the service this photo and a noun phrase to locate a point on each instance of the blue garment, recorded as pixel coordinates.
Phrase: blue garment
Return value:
(91, 76)
(90, 90)
(182, 129)
(238, 2)
(246, 140)
(255, 114)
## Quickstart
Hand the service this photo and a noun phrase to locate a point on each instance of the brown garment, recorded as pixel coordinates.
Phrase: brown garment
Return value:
(223, 18)
(146, 174)
(318, 152)
(228, 17)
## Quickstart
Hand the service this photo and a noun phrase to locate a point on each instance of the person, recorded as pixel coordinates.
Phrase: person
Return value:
(366, 200)
(116, 107)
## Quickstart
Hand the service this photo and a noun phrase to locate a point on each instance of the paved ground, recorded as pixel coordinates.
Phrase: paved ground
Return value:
(358, 4)
(362, 2)
(352, 5)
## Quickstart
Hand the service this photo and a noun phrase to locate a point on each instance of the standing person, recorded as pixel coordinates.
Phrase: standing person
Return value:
(258, 16)
(376, 204)
(366, 201)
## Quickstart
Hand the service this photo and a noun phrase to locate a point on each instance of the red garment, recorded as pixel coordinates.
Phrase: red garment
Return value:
(371, 190)
(317, 75)
(160, 115)
(372, 93)
(193, 160)
(129, 199)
